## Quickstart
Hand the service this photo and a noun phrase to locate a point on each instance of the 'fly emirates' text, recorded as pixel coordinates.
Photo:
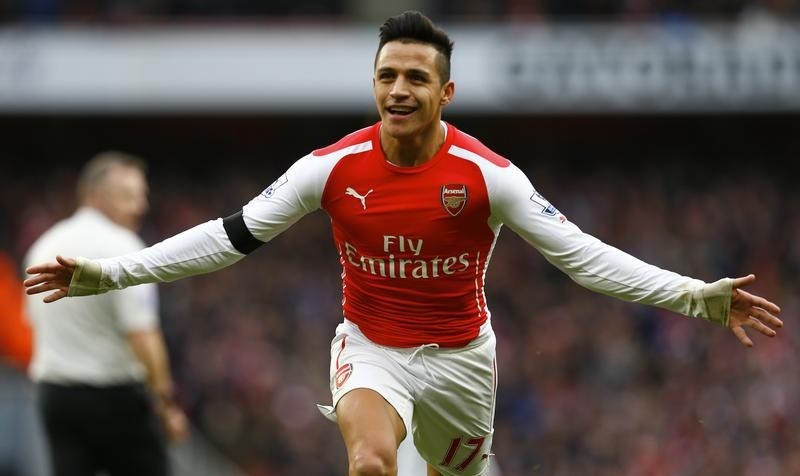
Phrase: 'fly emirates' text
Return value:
(389, 266)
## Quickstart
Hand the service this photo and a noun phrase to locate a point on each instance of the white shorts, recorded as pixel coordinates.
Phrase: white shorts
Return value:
(446, 397)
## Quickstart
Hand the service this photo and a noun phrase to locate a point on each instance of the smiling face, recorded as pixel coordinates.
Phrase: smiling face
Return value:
(408, 89)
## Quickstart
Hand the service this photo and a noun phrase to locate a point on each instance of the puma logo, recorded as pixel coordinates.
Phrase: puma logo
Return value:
(362, 198)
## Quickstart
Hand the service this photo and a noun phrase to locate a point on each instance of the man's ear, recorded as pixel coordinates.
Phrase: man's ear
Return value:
(448, 90)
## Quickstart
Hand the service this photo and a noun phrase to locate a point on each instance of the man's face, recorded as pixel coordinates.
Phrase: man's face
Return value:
(408, 90)
(123, 196)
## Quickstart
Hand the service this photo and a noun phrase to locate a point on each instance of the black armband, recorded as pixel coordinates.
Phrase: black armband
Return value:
(240, 236)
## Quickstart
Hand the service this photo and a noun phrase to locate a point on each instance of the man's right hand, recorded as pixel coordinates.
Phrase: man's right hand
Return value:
(176, 425)
(51, 277)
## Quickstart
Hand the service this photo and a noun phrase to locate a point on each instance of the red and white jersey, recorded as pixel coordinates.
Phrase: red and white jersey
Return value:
(414, 242)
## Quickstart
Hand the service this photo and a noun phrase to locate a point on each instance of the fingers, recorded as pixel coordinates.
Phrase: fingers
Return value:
(743, 281)
(42, 268)
(742, 336)
(176, 424)
(31, 290)
(60, 292)
(61, 264)
(55, 296)
(38, 279)
(759, 320)
(751, 299)
(50, 277)
(764, 316)
(72, 262)
(748, 299)
(754, 323)
(45, 286)
(768, 305)
(42, 282)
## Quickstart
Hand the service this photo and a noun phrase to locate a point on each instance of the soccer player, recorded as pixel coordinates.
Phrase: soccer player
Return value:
(416, 206)
(101, 366)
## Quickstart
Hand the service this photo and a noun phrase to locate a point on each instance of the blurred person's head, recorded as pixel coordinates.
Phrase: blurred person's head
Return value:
(114, 183)
(412, 74)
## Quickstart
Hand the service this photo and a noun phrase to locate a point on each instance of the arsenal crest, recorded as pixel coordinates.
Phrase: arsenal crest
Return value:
(454, 198)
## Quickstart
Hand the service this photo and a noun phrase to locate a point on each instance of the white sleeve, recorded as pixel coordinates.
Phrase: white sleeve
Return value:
(207, 247)
(201, 249)
(292, 196)
(596, 265)
(136, 307)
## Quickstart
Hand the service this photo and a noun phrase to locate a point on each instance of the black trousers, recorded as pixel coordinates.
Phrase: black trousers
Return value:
(112, 429)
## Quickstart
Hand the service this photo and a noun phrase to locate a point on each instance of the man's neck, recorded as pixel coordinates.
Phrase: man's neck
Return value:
(416, 150)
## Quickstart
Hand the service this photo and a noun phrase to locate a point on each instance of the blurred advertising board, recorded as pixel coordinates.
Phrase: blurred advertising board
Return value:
(511, 69)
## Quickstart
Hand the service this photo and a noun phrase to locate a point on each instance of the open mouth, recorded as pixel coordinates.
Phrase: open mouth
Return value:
(400, 110)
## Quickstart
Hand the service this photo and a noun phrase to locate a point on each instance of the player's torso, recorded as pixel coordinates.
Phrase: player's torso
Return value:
(413, 241)
(436, 218)
(418, 223)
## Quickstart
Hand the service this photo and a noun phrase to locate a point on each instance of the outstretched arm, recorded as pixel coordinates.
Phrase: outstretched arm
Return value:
(748, 310)
(608, 270)
(201, 249)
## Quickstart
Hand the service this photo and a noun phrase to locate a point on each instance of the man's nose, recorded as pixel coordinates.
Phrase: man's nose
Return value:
(399, 87)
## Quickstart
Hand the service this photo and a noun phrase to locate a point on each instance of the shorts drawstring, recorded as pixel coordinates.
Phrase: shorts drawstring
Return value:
(417, 352)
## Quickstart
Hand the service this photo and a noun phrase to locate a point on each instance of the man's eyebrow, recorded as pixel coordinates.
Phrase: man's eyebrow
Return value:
(420, 72)
(389, 69)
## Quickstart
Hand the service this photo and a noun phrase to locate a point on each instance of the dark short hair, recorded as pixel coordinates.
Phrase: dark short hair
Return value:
(413, 26)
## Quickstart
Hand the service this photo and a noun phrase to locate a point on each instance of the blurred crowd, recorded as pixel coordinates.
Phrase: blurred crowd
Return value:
(337, 11)
(588, 385)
